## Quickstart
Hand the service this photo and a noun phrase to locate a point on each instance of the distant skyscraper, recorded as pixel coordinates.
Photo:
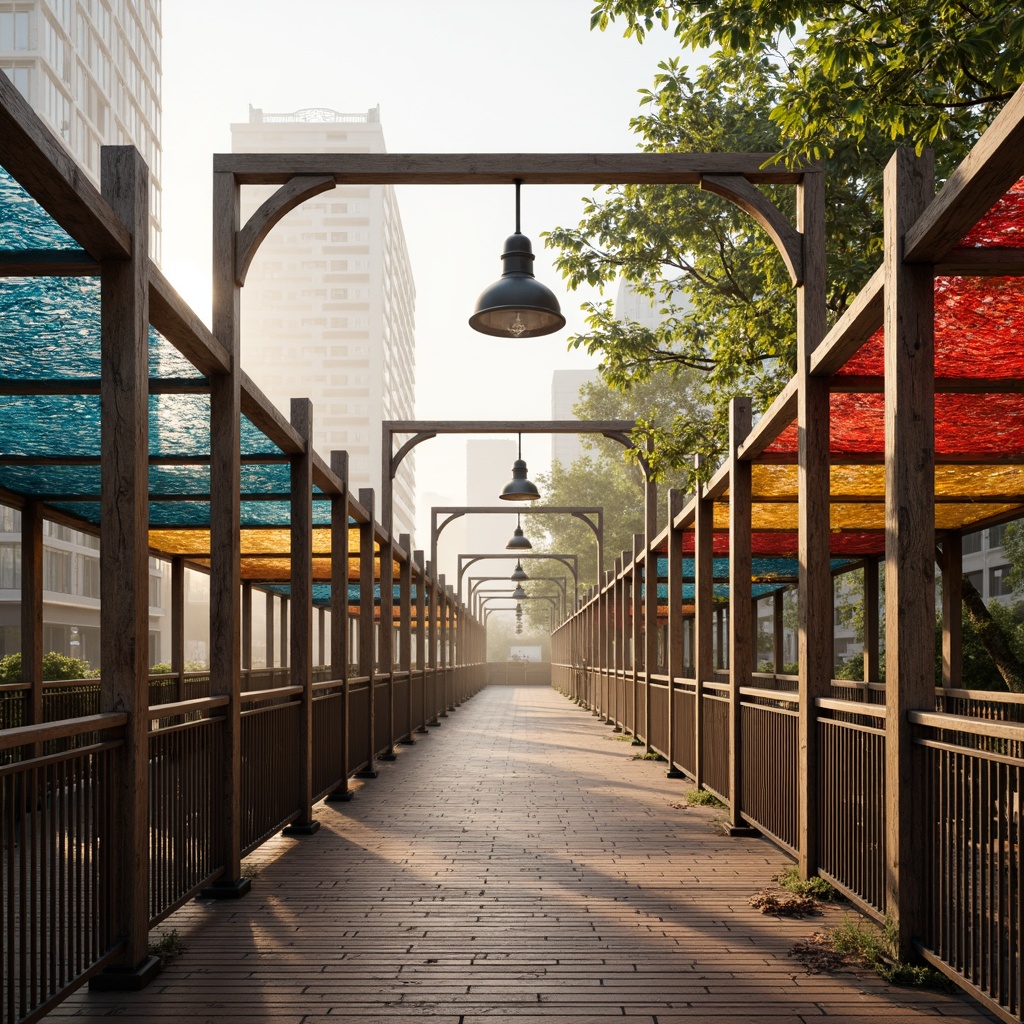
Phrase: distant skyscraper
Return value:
(328, 304)
(565, 393)
(488, 469)
(91, 70)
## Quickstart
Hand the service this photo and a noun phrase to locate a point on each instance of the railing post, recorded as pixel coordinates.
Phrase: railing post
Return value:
(636, 631)
(421, 634)
(246, 655)
(340, 654)
(674, 641)
(433, 633)
(952, 612)
(703, 616)
(367, 611)
(302, 608)
(387, 633)
(178, 625)
(741, 624)
(909, 538)
(405, 627)
(124, 562)
(32, 612)
(442, 644)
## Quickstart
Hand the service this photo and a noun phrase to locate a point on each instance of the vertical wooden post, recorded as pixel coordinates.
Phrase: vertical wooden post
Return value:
(442, 658)
(674, 640)
(704, 617)
(32, 611)
(871, 622)
(321, 640)
(741, 625)
(421, 634)
(650, 594)
(285, 660)
(778, 633)
(367, 634)
(246, 655)
(636, 598)
(124, 559)
(433, 633)
(178, 623)
(814, 596)
(952, 613)
(405, 628)
(301, 660)
(387, 634)
(268, 623)
(909, 537)
(340, 654)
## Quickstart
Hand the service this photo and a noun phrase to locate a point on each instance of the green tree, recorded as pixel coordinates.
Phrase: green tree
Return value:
(843, 83)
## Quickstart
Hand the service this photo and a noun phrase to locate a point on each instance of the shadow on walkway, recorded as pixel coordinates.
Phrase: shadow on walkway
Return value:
(516, 864)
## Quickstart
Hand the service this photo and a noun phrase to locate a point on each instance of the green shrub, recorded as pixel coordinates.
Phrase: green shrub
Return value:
(55, 666)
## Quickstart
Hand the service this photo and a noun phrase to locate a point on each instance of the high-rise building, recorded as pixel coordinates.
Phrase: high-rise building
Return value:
(566, 386)
(328, 304)
(91, 70)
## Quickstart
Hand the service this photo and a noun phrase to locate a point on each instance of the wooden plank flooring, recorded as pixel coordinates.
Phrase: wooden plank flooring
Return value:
(514, 865)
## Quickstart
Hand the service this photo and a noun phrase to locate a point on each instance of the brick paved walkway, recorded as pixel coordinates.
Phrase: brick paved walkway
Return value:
(514, 865)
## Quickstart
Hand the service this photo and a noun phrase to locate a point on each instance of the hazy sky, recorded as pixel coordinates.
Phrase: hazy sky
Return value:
(453, 76)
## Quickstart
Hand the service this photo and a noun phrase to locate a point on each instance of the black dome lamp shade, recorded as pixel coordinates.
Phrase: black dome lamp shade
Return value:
(519, 573)
(518, 594)
(519, 541)
(519, 488)
(517, 305)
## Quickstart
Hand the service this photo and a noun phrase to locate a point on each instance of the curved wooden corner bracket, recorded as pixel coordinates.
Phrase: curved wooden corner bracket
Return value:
(751, 200)
(296, 191)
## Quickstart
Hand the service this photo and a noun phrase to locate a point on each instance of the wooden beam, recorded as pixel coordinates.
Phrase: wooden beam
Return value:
(47, 263)
(983, 177)
(175, 320)
(859, 322)
(52, 176)
(502, 168)
(982, 261)
(780, 414)
(264, 415)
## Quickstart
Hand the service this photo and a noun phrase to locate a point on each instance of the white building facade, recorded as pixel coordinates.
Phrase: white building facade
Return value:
(91, 70)
(328, 307)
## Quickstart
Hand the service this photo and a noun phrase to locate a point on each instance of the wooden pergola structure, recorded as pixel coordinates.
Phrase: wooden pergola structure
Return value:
(127, 417)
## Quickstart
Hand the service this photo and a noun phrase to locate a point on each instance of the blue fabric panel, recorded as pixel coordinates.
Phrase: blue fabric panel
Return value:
(24, 224)
(51, 330)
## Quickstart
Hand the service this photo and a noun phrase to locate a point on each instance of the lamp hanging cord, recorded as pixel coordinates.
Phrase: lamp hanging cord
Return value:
(518, 182)
(520, 436)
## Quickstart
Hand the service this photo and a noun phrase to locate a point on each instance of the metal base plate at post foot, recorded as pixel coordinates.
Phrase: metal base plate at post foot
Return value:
(367, 773)
(228, 890)
(126, 979)
(301, 828)
(389, 756)
(637, 742)
(742, 831)
(675, 773)
(339, 796)
(618, 728)
(408, 742)
(435, 725)
(422, 729)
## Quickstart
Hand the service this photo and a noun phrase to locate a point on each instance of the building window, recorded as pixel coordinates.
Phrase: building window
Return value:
(10, 566)
(154, 592)
(13, 30)
(995, 536)
(977, 579)
(997, 581)
(90, 577)
(971, 543)
(18, 75)
(57, 571)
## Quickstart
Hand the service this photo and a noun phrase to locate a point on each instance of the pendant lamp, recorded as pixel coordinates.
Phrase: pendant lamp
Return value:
(518, 594)
(519, 488)
(517, 305)
(518, 573)
(519, 541)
